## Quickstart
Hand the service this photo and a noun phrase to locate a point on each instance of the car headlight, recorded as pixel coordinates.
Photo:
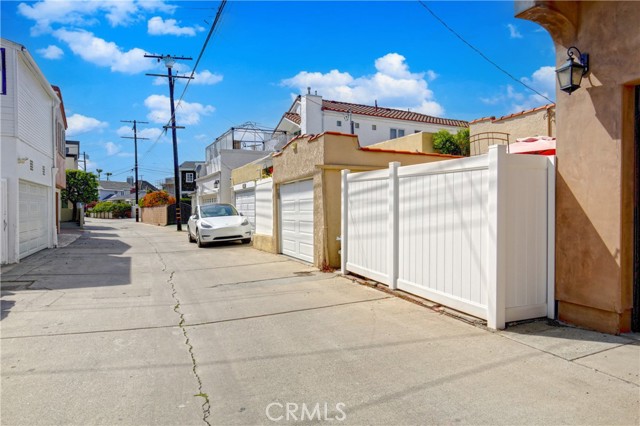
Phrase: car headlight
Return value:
(205, 225)
(245, 222)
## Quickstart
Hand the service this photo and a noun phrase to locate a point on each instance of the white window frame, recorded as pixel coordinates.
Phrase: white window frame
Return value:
(188, 177)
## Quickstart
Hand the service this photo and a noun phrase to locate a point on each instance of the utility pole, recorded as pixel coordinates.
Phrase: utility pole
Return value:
(135, 145)
(84, 160)
(169, 61)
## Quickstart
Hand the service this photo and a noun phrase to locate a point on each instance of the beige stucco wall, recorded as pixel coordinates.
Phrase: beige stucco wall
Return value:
(595, 160)
(538, 122)
(322, 159)
(155, 215)
(415, 142)
(249, 172)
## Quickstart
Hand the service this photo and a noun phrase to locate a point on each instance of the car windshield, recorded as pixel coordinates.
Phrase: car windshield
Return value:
(218, 210)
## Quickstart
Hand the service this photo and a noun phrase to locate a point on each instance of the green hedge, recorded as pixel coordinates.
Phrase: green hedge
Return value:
(118, 209)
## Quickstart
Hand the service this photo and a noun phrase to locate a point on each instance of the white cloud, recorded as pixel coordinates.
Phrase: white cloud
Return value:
(81, 13)
(543, 80)
(206, 77)
(513, 31)
(151, 133)
(51, 52)
(186, 113)
(393, 85)
(159, 26)
(115, 150)
(111, 148)
(105, 53)
(79, 124)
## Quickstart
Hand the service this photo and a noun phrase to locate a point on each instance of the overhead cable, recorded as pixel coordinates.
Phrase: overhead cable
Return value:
(475, 49)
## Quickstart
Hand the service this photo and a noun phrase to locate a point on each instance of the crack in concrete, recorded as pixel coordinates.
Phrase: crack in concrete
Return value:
(206, 405)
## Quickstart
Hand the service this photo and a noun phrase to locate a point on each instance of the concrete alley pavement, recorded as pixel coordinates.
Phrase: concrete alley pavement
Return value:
(130, 324)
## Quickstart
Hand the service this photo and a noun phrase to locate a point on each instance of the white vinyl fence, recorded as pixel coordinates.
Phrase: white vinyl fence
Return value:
(475, 234)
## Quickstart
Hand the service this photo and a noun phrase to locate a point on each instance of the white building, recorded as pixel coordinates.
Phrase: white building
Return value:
(236, 147)
(311, 115)
(32, 137)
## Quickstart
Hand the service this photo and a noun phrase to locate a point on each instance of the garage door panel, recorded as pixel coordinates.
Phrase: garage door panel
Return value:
(246, 204)
(306, 228)
(33, 222)
(288, 226)
(307, 251)
(306, 205)
(288, 206)
(296, 204)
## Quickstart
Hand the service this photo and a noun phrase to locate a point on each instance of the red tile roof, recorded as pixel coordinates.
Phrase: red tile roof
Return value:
(504, 117)
(396, 114)
(293, 116)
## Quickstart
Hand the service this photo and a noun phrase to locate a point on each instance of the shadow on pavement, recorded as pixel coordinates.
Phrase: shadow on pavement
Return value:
(95, 259)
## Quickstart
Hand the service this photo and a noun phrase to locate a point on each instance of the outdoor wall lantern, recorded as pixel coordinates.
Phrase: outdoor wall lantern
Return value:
(571, 72)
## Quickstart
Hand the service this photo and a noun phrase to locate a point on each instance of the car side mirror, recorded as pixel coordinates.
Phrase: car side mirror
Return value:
(194, 216)
(240, 213)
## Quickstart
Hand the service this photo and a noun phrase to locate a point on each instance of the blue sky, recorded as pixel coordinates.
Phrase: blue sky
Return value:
(263, 53)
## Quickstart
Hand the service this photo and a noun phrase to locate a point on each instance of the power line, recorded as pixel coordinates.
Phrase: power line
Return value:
(422, 3)
(204, 46)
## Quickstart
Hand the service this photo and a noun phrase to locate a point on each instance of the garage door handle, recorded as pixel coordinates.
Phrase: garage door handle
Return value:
(5, 225)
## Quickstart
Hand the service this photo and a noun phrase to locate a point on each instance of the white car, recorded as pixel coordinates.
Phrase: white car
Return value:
(218, 222)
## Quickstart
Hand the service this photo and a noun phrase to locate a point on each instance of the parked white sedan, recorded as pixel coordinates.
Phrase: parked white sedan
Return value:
(218, 222)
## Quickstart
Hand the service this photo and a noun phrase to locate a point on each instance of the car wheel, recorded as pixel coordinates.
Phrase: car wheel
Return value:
(198, 239)
(191, 240)
(246, 240)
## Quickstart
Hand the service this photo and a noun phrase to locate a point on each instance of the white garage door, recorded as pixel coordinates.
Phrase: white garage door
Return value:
(296, 207)
(34, 226)
(246, 204)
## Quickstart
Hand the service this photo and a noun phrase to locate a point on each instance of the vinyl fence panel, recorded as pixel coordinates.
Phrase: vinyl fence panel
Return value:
(443, 233)
(367, 219)
(474, 234)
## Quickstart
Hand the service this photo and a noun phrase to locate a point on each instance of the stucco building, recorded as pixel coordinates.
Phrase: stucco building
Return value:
(487, 131)
(598, 178)
(311, 115)
(298, 208)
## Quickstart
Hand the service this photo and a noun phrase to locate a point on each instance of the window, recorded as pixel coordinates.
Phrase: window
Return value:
(189, 178)
(374, 127)
(339, 123)
(396, 133)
